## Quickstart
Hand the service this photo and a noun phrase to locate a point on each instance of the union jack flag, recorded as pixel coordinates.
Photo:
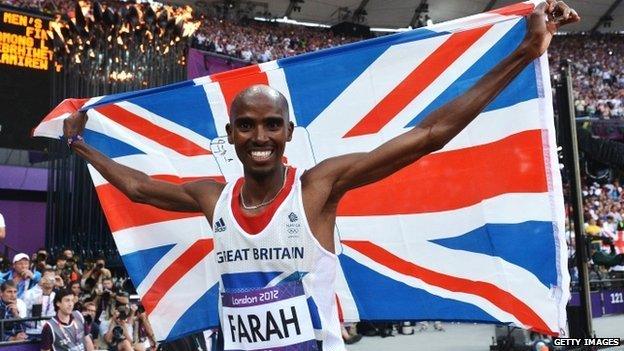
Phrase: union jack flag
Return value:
(473, 232)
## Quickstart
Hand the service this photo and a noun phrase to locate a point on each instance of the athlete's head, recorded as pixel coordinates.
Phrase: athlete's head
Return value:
(259, 128)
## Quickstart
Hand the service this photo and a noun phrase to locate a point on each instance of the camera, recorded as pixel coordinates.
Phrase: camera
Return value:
(88, 319)
(118, 334)
(123, 313)
(99, 266)
(140, 308)
(106, 295)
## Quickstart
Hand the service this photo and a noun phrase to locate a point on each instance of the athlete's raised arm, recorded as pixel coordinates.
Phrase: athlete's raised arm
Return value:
(343, 173)
(136, 185)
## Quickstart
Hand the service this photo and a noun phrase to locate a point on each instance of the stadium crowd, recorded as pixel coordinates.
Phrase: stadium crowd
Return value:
(604, 229)
(35, 286)
(255, 41)
(598, 77)
(30, 283)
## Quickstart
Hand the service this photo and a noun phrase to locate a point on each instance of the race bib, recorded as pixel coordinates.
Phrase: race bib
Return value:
(275, 318)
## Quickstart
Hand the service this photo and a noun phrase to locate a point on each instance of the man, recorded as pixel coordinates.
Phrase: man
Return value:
(107, 299)
(11, 307)
(39, 262)
(97, 273)
(249, 217)
(120, 330)
(67, 269)
(40, 302)
(66, 330)
(88, 312)
(23, 277)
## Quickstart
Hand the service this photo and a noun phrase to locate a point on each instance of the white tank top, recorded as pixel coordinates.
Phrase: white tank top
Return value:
(273, 250)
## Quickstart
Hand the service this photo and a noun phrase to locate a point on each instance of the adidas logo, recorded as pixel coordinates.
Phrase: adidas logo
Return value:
(293, 217)
(220, 226)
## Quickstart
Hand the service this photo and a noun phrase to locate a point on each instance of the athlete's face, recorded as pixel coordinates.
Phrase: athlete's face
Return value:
(259, 131)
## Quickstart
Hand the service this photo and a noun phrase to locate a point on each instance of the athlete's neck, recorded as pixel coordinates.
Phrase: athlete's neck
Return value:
(257, 189)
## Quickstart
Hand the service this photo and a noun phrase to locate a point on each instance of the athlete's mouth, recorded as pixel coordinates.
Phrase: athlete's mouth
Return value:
(261, 155)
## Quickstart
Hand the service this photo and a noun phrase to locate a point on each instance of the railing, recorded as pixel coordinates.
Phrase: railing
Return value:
(19, 320)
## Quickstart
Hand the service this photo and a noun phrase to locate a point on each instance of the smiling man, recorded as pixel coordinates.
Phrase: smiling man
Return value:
(280, 220)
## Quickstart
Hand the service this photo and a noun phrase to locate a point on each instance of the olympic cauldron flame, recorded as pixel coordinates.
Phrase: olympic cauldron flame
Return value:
(131, 43)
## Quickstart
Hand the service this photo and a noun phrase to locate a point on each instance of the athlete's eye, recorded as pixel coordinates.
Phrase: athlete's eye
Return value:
(274, 123)
(244, 126)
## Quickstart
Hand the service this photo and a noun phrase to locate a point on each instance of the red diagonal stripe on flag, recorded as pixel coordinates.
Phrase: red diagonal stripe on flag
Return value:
(182, 265)
(66, 106)
(519, 9)
(122, 213)
(150, 130)
(233, 82)
(454, 179)
(417, 81)
(497, 296)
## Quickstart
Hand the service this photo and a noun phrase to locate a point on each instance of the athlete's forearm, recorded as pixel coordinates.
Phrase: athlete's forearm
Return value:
(123, 178)
(446, 122)
(136, 185)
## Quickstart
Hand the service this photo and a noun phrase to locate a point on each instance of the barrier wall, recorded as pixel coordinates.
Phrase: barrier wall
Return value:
(608, 301)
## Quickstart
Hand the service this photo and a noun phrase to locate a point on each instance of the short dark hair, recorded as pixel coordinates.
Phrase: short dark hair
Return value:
(58, 297)
(8, 284)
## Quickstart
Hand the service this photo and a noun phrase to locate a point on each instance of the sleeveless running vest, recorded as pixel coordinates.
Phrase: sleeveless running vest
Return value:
(276, 281)
(68, 337)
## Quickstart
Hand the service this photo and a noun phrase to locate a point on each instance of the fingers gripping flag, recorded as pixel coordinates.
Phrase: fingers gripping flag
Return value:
(472, 232)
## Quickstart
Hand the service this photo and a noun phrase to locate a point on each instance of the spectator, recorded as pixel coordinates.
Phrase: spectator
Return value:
(12, 307)
(67, 329)
(23, 277)
(40, 302)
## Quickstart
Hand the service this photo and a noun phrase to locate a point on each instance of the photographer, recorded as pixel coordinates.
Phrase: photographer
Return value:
(120, 330)
(142, 330)
(97, 273)
(108, 297)
(67, 269)
(40, 260)
(76, 291)
(88, 312)
(23, 277)
(67, 329)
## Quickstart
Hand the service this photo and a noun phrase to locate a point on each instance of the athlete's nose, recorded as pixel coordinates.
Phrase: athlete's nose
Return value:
(261, 135)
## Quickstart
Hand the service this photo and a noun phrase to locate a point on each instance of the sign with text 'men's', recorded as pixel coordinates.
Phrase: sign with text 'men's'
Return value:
(24, 40)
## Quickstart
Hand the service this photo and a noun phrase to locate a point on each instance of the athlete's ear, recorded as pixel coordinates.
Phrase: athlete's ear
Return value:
(291, 127)
(228, 130)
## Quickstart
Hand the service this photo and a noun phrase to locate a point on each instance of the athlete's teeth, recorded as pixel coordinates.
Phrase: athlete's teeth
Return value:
(262, 154)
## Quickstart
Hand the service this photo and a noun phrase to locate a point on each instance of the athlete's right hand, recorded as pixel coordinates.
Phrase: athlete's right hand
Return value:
(74, 124)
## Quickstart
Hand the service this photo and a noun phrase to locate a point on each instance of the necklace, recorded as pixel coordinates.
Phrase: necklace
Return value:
(264, 203)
